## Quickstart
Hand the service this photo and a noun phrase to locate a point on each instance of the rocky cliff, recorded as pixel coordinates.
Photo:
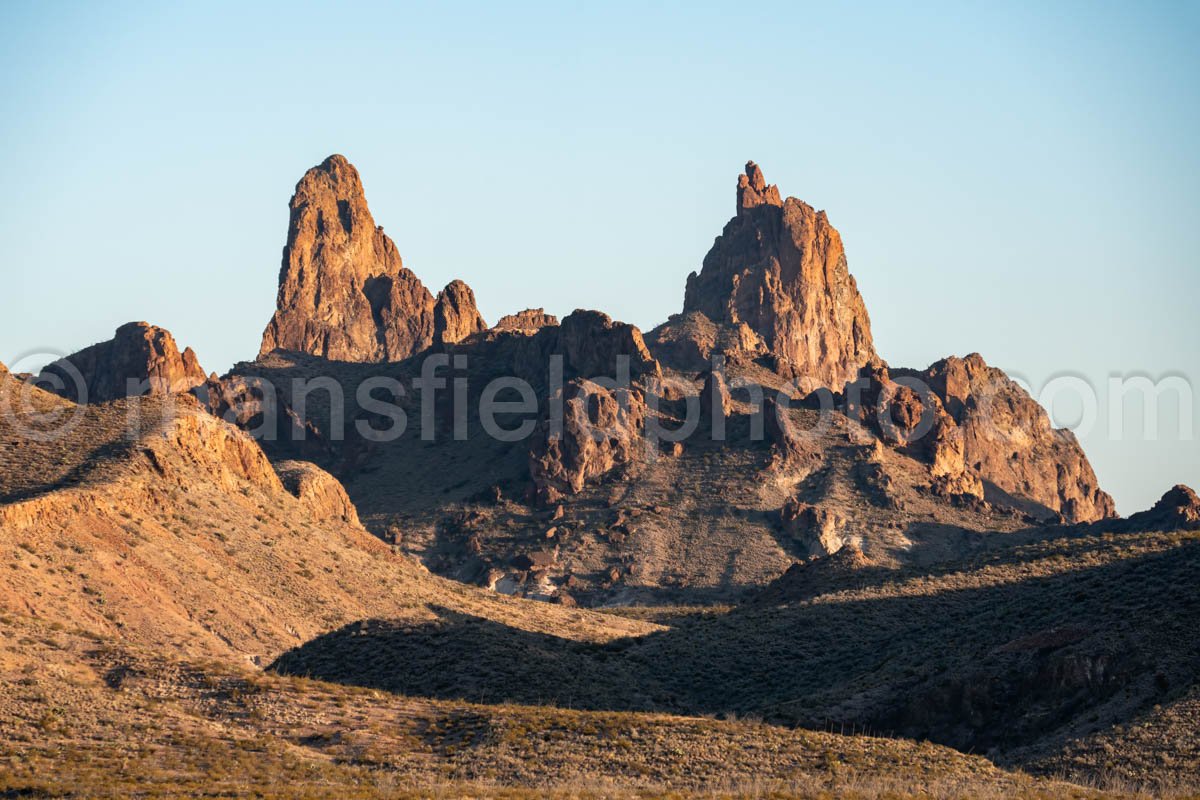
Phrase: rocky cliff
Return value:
(779, 267)
(344, 293)
(139, 359)
(1009, 442)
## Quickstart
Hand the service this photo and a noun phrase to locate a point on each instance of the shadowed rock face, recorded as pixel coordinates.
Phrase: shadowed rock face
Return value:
(138, 352)
(591, 343)
(344, 293)
(1177, 509)
(779, 267)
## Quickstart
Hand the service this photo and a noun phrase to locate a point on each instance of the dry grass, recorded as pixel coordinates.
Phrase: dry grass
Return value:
(97, 719)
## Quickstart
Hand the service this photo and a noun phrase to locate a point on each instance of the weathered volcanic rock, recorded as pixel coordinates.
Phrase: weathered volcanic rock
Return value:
(455, 316)
(531, 320)
(139, 359)
(689, 341)
(344, 293)
(715, 400)
(913, 419)
(592, 345)
(817, 529)
(1008, 441)
(320, 492)
(262, 410)
(753, 190)
(226, 455)
(1178, 509)
(601, 430)
(778, 429)
(779, 267)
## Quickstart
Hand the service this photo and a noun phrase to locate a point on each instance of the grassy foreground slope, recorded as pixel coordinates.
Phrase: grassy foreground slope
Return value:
(1035, 655)
(86, 717)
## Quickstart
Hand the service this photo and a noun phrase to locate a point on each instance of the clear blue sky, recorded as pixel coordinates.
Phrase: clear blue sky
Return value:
(1021, 180)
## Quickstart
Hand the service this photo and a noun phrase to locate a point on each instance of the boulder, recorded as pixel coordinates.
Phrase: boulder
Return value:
(815, 528)
(536, 560)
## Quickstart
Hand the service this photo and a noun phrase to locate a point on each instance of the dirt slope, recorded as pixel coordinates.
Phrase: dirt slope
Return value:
(176, 532)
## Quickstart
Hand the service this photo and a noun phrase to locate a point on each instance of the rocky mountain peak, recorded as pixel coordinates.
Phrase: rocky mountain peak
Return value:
(753, 190)
(344, 293)
(779, 267)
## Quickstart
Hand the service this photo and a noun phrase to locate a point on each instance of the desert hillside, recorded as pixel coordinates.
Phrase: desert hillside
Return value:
(738, 555)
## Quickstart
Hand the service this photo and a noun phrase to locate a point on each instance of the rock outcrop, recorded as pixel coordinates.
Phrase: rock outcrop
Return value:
(1009, 443)
(593, 345)
(531, 320)
(319, 491)
(913, 419)
(344, 293)
(981, 434)
(1177, 510)
(262, 410)
(601, 430)
(689, 341)
(779, 267)
(455, 316)
(716, 402)
(818, 530)
(139, 359)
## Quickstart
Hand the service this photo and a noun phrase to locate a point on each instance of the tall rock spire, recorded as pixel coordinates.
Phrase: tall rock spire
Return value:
(779, 267)
(343, 291)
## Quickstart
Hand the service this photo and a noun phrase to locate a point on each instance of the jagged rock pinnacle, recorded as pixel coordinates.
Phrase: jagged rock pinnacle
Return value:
(344, 292)
(779, 268)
